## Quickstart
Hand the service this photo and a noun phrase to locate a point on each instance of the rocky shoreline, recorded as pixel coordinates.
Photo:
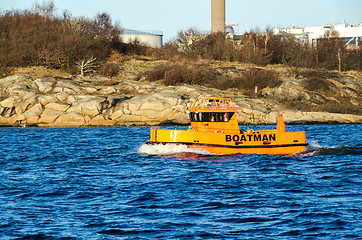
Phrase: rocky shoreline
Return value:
(70, 102)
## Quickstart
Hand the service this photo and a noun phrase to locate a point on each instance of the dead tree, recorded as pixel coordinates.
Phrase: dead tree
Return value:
(86, 66)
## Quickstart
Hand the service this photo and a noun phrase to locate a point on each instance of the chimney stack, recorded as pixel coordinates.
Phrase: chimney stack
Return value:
(217, 16)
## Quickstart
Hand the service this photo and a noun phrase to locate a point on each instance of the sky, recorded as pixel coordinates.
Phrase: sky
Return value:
(171, 16)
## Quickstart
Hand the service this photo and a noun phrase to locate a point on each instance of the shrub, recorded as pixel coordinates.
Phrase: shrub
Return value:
(116, 57)
(327, 106)
(39, 37)
(194, 45)
(336, 107)
(157, 73)
(5, 71)
(110, 82)
(110, 70)
(317, 85)
(222, 82)
(133, 48)
(176, 74)
(311, 73)
(257, 77)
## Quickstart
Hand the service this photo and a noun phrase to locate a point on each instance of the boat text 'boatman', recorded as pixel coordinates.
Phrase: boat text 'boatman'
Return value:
(254, 137)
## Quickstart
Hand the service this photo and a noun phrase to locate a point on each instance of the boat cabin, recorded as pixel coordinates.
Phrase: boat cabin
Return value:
(214, 115)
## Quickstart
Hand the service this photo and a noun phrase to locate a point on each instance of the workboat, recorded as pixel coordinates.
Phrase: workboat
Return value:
(214, 129)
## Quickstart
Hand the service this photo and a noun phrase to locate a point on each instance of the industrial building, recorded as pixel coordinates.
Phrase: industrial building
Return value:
(351, 34)
(155, 38)
(149, 38)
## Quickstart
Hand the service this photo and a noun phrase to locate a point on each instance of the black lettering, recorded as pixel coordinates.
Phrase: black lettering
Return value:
(236, 138)
(228, 138)
(271, 137)
(257, 137)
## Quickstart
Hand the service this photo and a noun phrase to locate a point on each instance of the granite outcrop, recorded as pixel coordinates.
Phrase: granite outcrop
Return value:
(70, 102)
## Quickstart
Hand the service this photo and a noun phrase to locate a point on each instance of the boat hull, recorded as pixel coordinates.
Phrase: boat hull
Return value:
(271, 150)
(251, 142)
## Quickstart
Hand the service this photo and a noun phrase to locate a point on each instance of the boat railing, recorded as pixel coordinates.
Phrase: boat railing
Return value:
(214, 104)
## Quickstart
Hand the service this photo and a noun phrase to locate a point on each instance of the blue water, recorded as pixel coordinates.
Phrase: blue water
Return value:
(93, 183)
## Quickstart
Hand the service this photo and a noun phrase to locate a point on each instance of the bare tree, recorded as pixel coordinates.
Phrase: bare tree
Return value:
(86, 66)
(266, 38)
(331, 49)
(46, 9)
(186, 39)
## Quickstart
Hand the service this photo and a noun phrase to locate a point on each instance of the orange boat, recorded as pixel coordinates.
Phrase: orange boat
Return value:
(214, 128)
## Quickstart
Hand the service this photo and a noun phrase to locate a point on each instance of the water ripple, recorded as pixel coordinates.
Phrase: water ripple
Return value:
(100, 183)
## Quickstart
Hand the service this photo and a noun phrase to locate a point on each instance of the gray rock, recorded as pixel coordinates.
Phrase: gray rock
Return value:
(44, 85)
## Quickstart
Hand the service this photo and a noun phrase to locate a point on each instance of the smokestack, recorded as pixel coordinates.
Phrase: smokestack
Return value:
(217, 16)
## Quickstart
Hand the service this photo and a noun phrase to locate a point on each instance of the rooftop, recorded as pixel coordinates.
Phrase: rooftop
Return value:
(143, 32)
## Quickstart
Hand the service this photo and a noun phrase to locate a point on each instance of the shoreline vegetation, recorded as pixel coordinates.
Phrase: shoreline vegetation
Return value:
(62, 71)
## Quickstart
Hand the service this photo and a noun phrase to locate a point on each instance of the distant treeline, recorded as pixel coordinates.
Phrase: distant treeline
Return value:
(262, 48)
(40, 38)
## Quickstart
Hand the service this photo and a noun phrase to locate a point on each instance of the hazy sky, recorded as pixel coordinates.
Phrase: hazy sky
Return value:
(171, 16)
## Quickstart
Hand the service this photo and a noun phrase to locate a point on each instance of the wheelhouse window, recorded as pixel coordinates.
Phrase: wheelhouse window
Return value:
(210, 117)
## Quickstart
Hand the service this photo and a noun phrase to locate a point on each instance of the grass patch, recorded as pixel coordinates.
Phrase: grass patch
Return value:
(177, 74)
(317, 85)
(259, 78)
(330, 106)
(110, 69)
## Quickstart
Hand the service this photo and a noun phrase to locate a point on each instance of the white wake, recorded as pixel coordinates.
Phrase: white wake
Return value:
(168, 149)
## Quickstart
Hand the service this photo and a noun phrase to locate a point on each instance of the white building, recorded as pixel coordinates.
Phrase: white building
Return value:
(149, 38)
(352, 34)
